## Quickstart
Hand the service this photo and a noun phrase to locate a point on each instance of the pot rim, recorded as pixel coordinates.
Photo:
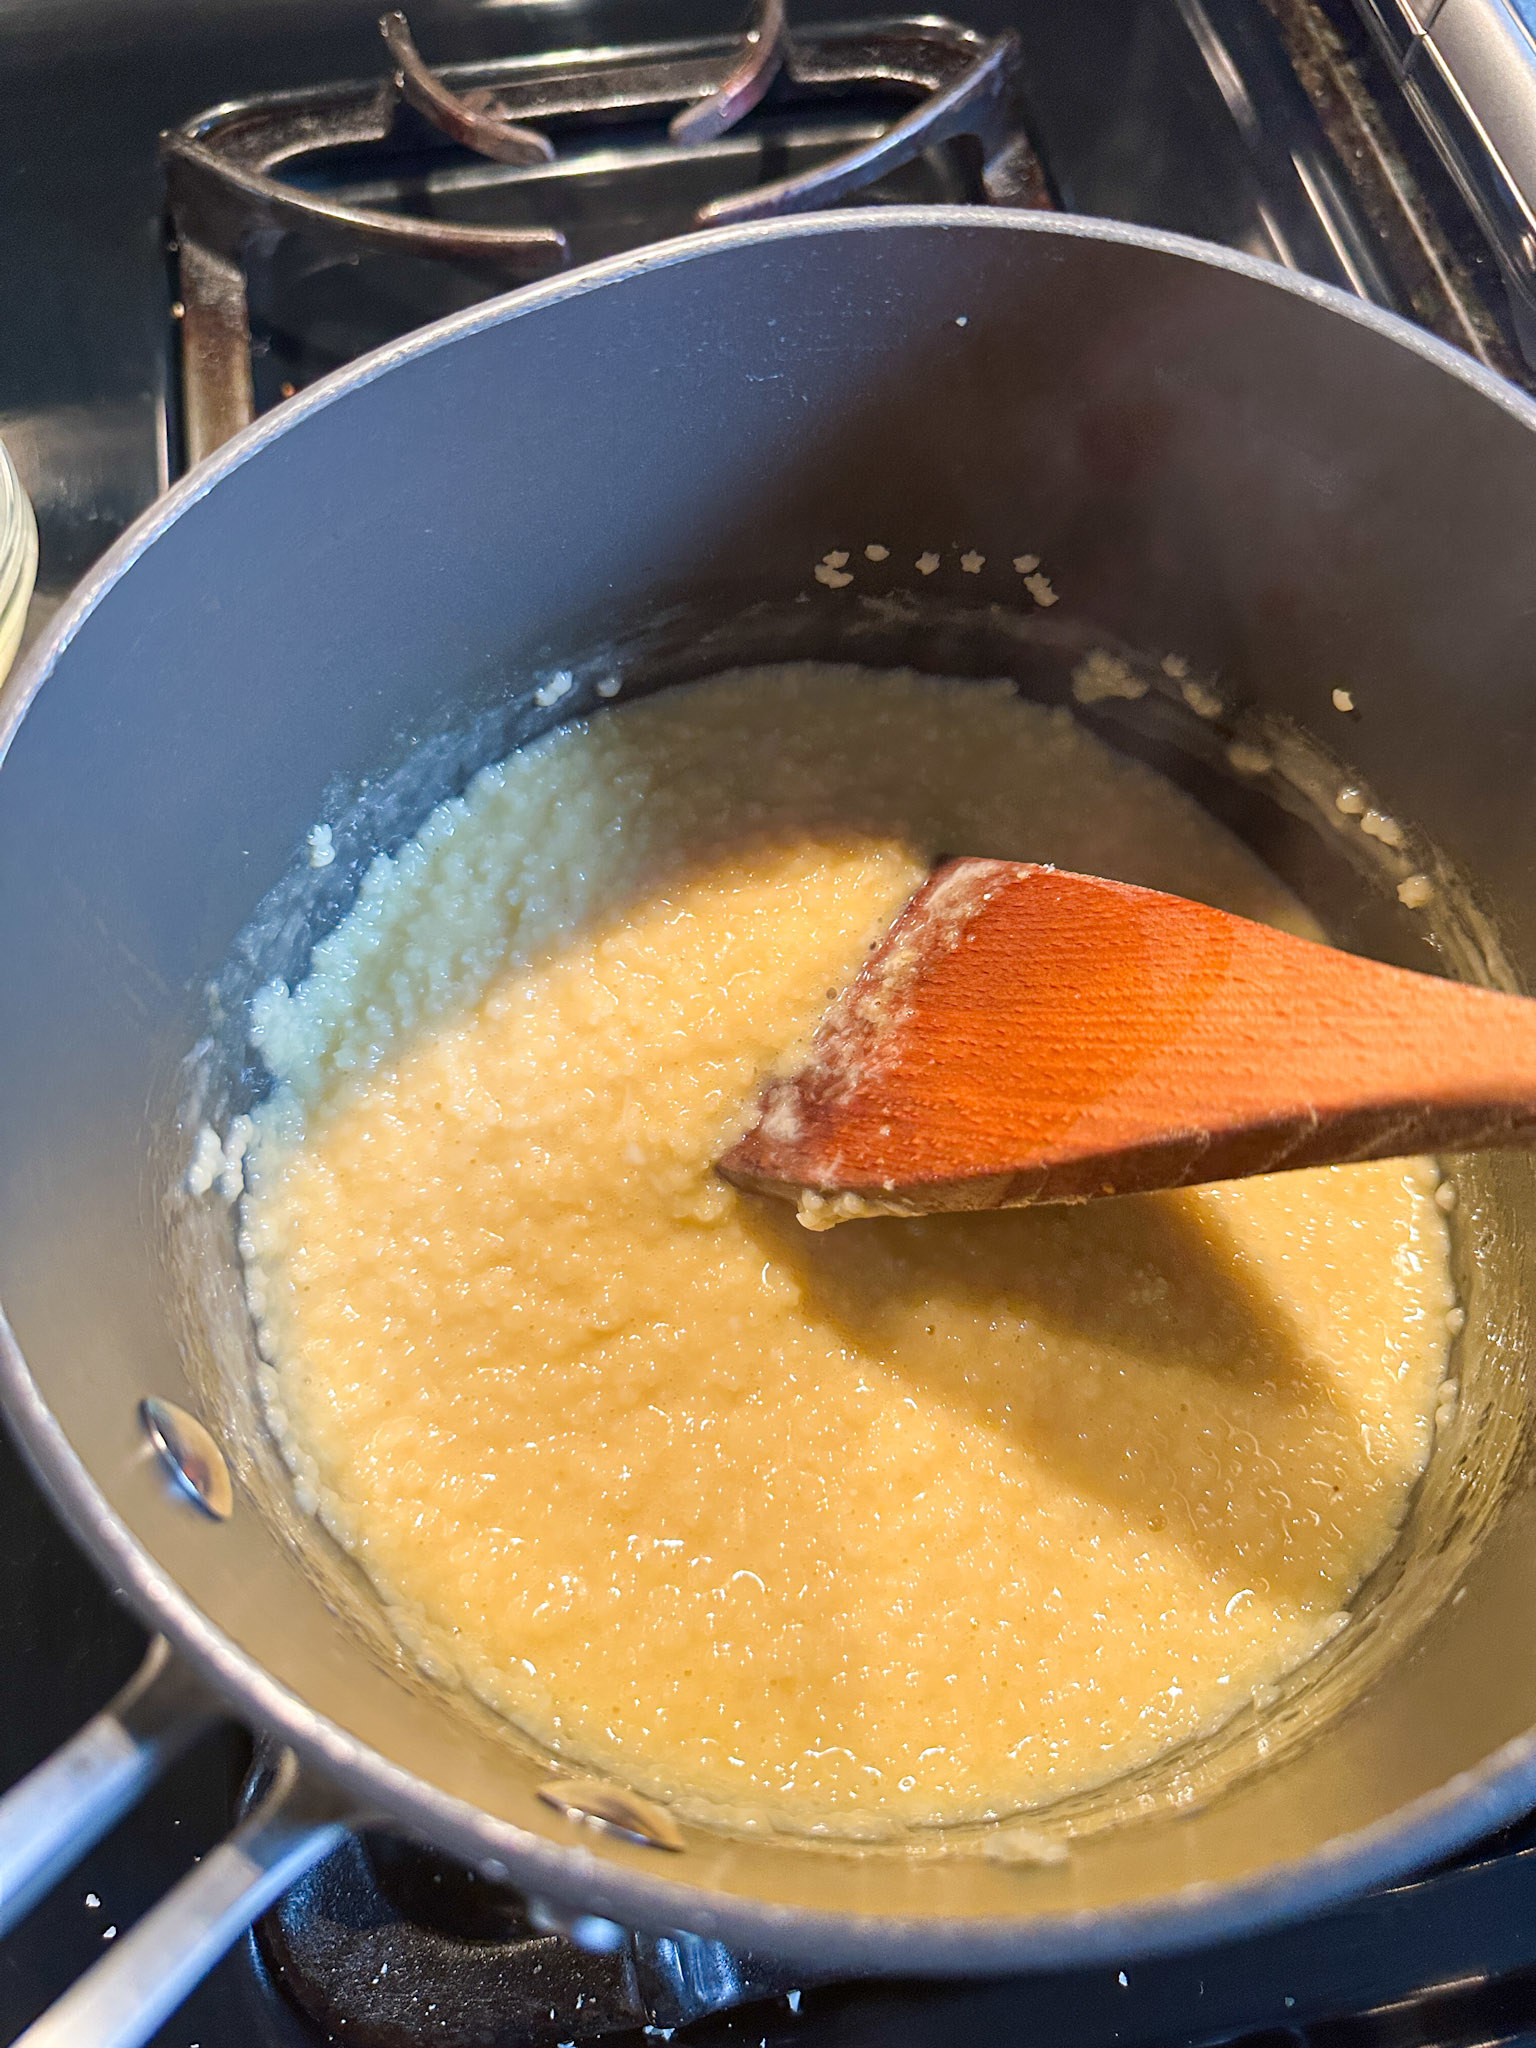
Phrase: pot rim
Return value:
(1435, 1825)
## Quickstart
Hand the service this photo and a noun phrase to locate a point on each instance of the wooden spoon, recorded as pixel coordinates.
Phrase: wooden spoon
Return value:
(1023, 1035)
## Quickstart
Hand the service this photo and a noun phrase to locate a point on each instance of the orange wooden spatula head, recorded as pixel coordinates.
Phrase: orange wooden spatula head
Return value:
(1025, 1035)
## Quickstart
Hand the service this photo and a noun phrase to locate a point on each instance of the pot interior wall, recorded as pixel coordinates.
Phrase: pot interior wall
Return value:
(641, 475)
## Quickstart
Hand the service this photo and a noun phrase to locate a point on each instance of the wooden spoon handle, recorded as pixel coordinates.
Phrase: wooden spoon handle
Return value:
(1027, 1035)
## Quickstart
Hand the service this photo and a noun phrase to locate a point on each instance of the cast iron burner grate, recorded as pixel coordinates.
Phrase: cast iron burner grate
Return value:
(389, 1946)
(309, 226)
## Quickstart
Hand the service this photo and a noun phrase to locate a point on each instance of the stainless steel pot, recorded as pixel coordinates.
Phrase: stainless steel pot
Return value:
(634, 470)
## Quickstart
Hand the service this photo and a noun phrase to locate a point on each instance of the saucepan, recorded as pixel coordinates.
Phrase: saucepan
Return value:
(1228, 473)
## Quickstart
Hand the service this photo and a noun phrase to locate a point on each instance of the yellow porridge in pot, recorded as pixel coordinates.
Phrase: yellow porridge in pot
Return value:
(911, 1521)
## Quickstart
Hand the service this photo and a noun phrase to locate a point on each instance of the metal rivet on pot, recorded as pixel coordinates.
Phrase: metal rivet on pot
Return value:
(608, 1806)
(190, 1455)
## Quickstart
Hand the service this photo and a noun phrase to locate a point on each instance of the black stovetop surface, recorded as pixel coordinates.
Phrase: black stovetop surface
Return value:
(1133, 107)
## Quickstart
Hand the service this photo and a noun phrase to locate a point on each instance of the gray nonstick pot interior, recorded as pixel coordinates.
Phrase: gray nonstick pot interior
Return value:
(634, 473)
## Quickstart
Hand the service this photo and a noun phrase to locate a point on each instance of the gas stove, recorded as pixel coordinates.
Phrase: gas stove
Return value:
(202, 210)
